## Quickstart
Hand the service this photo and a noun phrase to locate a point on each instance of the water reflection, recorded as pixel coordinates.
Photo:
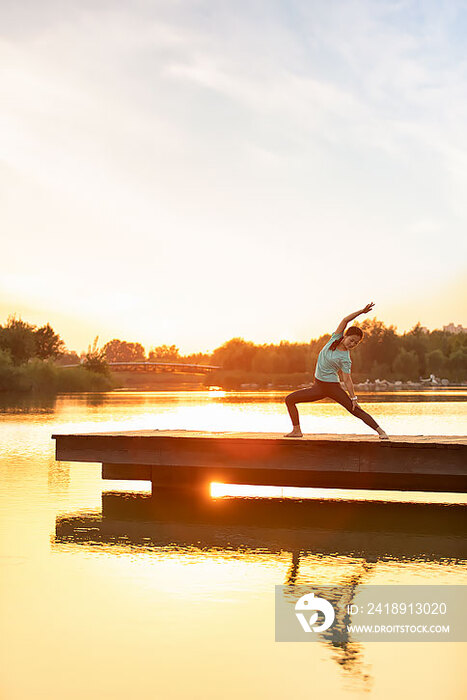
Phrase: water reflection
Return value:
(58, 476)
(371, 531)
(153, 580)
(404, 396)
(97, 399)
(348, 653)
(17, 403)
(316, 533)
(27, 403)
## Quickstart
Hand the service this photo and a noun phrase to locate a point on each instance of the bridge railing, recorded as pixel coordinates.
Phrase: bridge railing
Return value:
(154, 366)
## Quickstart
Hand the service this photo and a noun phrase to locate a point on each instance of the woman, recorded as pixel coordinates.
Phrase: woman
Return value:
(333, 357)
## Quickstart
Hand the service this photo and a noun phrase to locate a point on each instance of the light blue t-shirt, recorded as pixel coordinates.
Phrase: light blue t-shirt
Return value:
(329, 361)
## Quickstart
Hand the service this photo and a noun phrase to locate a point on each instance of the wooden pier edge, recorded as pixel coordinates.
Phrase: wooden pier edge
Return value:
(189, 459)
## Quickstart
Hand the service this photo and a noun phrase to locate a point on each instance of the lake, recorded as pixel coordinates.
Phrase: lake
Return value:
(104, 594)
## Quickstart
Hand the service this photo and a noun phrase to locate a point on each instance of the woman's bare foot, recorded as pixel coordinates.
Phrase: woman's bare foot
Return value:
(382, 435)
(296, 432)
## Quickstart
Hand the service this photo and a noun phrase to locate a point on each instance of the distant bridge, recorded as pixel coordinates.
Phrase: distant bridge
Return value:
(177, 367)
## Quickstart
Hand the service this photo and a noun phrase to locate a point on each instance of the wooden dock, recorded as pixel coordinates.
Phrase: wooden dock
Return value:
(187, 459)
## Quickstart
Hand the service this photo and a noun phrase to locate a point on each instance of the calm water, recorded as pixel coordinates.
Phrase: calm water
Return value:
(108, 593)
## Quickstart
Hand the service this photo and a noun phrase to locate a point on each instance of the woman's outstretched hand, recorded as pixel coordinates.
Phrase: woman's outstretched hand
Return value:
(368, 307)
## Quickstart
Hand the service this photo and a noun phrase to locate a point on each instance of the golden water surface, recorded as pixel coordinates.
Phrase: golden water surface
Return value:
(108, 593)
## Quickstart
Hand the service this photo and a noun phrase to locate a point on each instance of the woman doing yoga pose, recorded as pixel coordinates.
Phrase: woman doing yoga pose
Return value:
(333, 357)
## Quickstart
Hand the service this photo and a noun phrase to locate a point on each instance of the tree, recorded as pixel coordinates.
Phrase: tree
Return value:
(266, 360)
(197, 358)
(379, 370)
(406, 365)
(18, 337)
(122, 351)
(68, 357)
(94, 360)
(457, 363)
(235, 354)
(380, 345)
(436, 362)
(48, 343)
(164, 353)
(416, 340)
(8, 372)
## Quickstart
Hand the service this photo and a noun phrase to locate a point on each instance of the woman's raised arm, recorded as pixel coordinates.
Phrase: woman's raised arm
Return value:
(343, 324)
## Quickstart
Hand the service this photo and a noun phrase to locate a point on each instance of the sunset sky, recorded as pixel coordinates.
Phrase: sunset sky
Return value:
(188, 171)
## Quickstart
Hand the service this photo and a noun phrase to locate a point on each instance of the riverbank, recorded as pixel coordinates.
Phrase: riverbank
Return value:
(45, 377)
(238, 380)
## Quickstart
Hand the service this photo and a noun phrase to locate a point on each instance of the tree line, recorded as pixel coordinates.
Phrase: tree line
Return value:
(384, 354)
(29, 361)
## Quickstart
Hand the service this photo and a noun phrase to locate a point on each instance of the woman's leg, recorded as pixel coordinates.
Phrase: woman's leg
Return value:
(336, 392)
(314, 393)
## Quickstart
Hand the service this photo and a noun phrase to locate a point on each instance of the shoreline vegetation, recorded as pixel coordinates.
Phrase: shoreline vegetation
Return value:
(32, 360)
(250, 381)
(30, 363)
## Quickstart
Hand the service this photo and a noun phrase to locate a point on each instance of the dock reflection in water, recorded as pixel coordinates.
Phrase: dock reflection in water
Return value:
(368, 529)
(313, 530)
